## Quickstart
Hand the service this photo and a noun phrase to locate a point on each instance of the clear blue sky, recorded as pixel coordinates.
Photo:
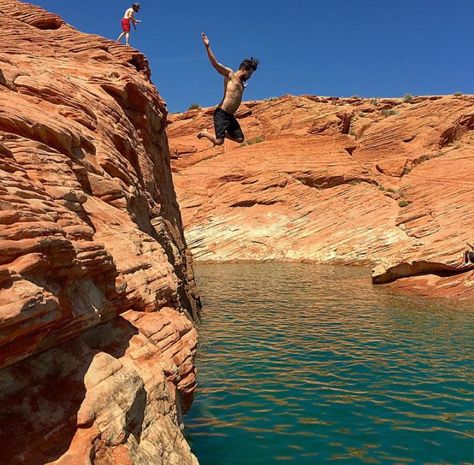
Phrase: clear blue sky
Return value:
(371, 48)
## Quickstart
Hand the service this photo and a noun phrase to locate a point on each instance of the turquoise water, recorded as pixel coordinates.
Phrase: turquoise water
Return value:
(303, 364)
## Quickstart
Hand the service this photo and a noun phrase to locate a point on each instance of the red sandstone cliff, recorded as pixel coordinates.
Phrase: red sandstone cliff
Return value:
(353, 181)
(96, 284)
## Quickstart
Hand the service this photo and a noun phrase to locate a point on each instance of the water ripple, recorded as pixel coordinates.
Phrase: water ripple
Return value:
(311, 365)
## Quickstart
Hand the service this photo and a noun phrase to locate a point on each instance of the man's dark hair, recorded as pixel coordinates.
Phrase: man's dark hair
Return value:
(249, 64)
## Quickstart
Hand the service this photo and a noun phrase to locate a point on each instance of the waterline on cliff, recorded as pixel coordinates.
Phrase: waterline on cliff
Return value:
(310, 364)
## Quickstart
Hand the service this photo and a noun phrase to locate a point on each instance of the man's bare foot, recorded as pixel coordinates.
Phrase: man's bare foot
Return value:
(205, 135)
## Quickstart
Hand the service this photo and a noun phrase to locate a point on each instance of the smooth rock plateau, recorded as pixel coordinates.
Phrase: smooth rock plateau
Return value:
(97, 293)
(333, 180)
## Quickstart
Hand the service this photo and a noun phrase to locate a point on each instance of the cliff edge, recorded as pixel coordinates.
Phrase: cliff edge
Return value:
(97, 294)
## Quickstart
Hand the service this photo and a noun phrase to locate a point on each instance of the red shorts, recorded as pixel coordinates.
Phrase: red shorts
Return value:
(126, 25)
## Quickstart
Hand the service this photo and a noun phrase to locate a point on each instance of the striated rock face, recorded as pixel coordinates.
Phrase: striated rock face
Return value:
(330, 180)
(97, 292)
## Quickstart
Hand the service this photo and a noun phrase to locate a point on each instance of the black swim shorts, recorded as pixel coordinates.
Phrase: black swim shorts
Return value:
(226, 123)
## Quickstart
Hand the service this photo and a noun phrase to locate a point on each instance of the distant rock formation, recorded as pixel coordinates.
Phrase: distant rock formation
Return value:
(97, 293)
(331, 180)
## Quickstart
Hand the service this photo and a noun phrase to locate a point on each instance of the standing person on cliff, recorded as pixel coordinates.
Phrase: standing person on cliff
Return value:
(225, 124)
(129, 17)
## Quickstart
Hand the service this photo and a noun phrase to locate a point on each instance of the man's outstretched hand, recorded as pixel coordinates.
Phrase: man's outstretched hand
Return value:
(205, 40)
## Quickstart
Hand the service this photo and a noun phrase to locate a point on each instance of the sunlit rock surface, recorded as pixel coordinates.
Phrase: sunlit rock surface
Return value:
(97, 295)
(352, 181)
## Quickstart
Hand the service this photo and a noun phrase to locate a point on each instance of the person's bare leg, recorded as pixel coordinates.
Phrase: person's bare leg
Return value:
(120, 37)
(127, 35)
(210, 137)
(239, 140)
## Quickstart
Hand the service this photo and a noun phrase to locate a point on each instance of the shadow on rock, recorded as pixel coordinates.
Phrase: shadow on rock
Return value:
(41, 396)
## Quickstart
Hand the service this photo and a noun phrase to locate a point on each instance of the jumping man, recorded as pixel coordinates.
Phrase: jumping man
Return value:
(225, 124)
(129, 17)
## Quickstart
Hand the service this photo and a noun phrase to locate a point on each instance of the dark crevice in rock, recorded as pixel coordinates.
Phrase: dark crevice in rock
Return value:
(251, 203)
(4, 151)
(140, 63)
(410, 165)
(35, 16)
(329, 182)
(187, 294)
(345, 124)
(232, 178)
(51, 23)
(455, 132)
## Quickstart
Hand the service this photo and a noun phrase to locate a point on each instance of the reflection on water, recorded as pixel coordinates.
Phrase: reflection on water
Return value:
(310, 365)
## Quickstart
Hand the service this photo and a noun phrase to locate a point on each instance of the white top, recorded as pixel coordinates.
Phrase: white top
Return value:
(129, 13)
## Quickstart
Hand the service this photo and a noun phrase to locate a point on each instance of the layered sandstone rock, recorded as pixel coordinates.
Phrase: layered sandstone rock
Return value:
(96, 284)
(353, 181)
(113, 396)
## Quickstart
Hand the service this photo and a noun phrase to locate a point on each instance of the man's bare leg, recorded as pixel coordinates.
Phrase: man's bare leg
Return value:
(210, 137)
(239, 140)
(126, 34)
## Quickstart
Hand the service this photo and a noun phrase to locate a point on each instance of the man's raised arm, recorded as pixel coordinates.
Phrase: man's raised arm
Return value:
(221, 69)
